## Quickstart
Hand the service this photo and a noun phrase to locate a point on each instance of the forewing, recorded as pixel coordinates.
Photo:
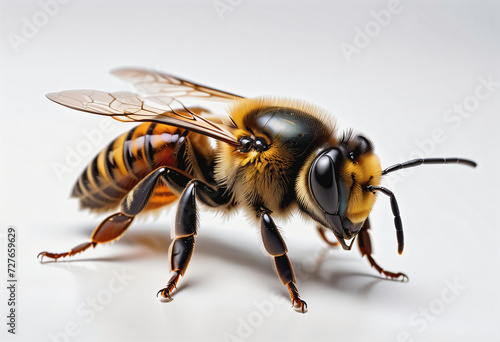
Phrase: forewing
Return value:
(159, 83)
(129, 107)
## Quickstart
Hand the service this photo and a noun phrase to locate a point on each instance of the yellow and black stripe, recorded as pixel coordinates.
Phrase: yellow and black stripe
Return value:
(127, 160)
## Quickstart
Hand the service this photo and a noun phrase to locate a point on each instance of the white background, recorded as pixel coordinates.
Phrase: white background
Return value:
(396, 89)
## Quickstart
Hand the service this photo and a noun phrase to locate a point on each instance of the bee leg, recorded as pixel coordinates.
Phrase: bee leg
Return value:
(115, 225)
(182, 248)
(110, 229)
(186, 222)
(276, 247)
(322, 233)
(365, 247)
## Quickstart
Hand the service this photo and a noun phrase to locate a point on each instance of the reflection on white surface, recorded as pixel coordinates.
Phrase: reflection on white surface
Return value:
(399, 90)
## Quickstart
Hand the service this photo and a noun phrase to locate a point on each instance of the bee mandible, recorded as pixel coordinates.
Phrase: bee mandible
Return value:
(272, 156)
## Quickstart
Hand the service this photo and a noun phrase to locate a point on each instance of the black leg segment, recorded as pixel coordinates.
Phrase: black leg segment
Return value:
(276, 247)
(273, 242)
(186, 223)
(181, 252)
(284, 269)
(186, 219)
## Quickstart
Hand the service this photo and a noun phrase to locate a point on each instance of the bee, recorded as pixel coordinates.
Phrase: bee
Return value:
(271, 157)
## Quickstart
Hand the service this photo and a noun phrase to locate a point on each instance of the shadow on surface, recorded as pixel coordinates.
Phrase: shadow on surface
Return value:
(152, 243)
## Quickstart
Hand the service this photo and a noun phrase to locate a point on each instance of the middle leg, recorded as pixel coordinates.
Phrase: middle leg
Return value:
(186, 222)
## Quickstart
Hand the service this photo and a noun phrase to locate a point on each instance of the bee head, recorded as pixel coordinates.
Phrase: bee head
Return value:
(338, 181)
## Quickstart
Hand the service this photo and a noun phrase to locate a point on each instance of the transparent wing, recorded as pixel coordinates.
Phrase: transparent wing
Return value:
(158, 83)
(129, 107)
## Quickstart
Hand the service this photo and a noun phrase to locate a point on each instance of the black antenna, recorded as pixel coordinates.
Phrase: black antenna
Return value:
(417, 162)
(395, 210)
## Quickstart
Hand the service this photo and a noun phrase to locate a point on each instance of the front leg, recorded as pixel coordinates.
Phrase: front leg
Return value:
(275, 246)
(365, 247)
(321, 231)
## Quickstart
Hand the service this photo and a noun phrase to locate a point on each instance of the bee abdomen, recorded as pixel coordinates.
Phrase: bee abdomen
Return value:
(124, 162)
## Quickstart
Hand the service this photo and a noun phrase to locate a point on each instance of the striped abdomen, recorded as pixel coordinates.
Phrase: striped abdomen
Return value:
(125, 162)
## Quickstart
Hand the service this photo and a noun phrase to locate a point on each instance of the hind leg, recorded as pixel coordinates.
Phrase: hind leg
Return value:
(110, 229)
(116, 224)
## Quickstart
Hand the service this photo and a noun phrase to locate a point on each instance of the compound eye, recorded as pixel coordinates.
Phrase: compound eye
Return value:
(245, 144)
(363, 145)
(324, 184)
